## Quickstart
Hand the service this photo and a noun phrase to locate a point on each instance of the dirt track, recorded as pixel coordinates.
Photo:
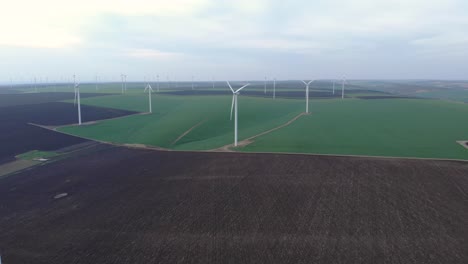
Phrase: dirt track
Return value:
(140, 206)
(249, 140)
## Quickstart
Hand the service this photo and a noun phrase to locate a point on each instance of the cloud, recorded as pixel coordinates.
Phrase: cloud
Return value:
(351, 34)
(151, 54)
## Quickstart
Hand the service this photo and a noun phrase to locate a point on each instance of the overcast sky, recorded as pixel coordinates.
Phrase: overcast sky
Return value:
(234, 39)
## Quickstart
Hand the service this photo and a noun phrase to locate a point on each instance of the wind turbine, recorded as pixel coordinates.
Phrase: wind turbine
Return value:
(307, 94)
(274, 88)
(150, 90)
(124, 82)
(192, 82)
(77, 90)
(35, 84)
(333, 86)
(157, 79)
(234, 106)
(342, 88)
(265, 84)
(212, 80)
(97, 83)
(74, 87)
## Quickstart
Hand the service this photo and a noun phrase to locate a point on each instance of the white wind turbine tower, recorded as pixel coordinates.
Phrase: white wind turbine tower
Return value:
(35, 84)
(192, 81)
(122, 77)
(307, 94)
(97, 88)
(150, 90)
(212, 80)
(157, 80)
(333, 86)
(77, 89)
(74, 87)
(234, 106)
(124, 83)
(342, 87)
(265, 84)
(274, 88)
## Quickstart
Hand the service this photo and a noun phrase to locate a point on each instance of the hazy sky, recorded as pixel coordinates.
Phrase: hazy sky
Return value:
(238, 39)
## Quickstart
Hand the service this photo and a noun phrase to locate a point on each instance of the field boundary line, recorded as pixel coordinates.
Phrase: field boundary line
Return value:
(127, 145)
(156, 148)
(99, 120)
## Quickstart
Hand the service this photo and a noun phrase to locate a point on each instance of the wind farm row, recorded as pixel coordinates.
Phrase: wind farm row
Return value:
(353, 121)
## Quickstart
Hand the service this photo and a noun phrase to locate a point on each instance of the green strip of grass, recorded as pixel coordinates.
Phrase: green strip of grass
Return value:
(36, 154)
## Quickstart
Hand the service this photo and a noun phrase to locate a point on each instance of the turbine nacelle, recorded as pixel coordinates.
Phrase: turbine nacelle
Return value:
(307, 83)
(148, 87)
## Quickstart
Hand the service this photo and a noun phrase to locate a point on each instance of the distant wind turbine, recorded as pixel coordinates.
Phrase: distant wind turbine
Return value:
(77, 89)
(265, 84)
(150, 90)
(307, 94)
(274, 88)
(333, 86)
(97, 88)
(342, 88)
(122, 77)
(74, 89)
(234, 106)
(157, 79)
(192, 81)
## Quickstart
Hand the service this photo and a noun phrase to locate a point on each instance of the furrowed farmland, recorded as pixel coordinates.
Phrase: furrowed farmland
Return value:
(141, 206)
(168, 186)
(18, 136)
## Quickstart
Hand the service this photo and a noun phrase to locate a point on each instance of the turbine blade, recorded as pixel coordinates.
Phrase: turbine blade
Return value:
(242, 87)
(310, 82)
(230, 86)
(304, 82)
(232, 106)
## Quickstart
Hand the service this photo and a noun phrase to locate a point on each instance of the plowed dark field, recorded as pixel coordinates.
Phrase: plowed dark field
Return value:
(17, 136)
(136, 206)
(38, 98)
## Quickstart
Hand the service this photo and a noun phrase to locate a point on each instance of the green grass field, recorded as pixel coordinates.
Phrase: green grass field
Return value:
(386, 127)
(36, 154)
(400, 128)
(174, 115)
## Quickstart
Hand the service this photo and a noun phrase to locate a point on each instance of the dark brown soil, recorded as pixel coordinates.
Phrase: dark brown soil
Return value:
(139, 206)
(17, 136)
(39, 98)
